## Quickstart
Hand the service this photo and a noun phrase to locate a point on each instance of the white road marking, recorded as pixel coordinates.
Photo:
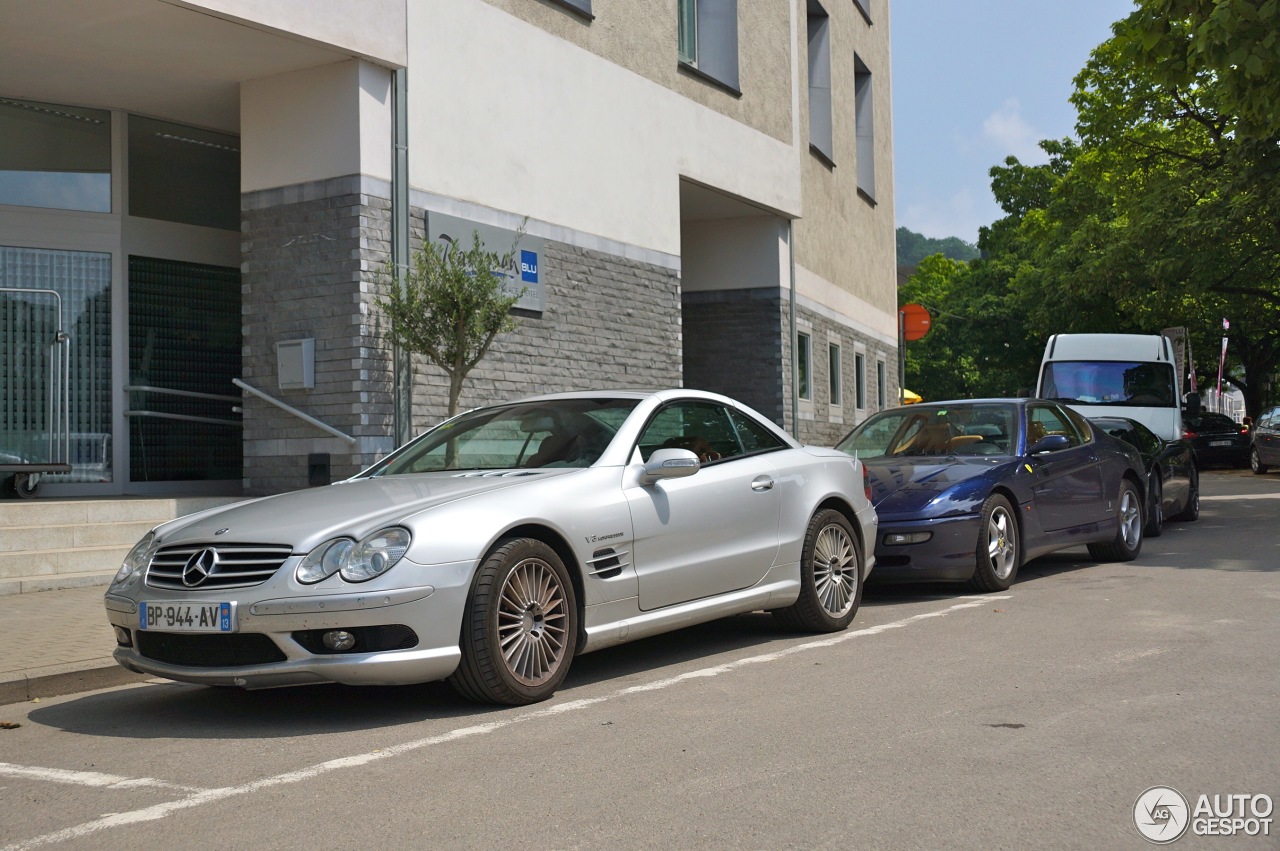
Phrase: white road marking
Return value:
(88, 778)
(209, 796)
(1221, 498)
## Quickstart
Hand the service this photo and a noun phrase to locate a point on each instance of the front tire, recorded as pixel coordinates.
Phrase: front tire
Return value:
(520, 630)
(830, 577)
(1255, 462)
(1155, 506)
(997, 556)
(1128, 540)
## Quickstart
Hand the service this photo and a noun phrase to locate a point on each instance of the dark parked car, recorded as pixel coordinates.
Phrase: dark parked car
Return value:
(1217, 439)
(970, 490)
(1264, 448)
(1173, 482)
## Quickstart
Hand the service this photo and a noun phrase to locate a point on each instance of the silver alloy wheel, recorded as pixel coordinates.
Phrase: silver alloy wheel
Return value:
(531, 622)
(1254, 461)
(835, 570)
(1130, 518)
(1002, 543)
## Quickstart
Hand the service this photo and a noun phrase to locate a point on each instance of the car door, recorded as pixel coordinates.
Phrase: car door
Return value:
(1267, 437)
(712, 532)
(1068, 486)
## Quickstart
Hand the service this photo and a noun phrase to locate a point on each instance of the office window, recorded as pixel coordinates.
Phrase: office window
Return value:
(863, 115)
(820, 134)
(834, 373)
(183, 174)
(881, 398)
(804, 360)
(55, 156)
(708, 38)
(582, 7)
(860, 379)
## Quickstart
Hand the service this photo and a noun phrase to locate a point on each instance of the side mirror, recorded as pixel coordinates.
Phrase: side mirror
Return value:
(1049, 443)
(669, 464)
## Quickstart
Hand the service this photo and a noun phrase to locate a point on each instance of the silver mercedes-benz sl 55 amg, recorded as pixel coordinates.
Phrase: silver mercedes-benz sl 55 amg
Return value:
(498, 545)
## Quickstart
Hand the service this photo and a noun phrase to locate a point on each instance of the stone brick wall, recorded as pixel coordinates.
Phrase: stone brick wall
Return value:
(310, 258)
(733, 345)
(607, 323)
(313, 257)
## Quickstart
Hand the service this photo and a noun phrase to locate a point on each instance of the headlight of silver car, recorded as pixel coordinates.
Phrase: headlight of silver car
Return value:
(376, 554)
(135, 563)
(357, 561)
(324, 561)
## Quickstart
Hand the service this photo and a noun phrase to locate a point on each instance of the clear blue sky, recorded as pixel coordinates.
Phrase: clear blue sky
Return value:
(977, 81)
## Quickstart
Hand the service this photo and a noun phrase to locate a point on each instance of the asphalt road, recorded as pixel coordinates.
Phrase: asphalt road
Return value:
(1033, 718)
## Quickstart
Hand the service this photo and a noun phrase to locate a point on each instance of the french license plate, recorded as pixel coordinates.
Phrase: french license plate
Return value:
(1219, 443)
(186, 616)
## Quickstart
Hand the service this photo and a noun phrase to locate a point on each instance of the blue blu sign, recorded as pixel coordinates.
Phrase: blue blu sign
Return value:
(521, 269)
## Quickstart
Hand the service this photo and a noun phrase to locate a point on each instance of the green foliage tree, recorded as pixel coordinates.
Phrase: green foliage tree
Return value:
(449, 305)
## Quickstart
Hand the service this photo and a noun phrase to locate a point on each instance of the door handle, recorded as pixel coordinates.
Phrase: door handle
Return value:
(763, 483)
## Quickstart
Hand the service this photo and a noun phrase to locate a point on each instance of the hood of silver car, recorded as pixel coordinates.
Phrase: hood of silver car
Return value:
(303, 519)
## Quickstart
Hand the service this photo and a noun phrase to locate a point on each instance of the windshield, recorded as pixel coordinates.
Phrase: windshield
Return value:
(553, 433)
(964, 429)
(1137, 384)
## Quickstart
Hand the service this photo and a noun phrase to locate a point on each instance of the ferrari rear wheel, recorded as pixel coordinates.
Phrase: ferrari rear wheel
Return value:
(1155, 506)
(520, 630)
(1255, 461)
(830, 577)
(998, 555)
(1128, 540)
(1192, 509)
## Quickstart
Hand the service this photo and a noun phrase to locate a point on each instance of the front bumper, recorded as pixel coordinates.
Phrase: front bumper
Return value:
(278, 624)
(950, 554)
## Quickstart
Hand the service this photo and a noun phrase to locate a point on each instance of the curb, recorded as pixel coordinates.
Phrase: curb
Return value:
(70, 682)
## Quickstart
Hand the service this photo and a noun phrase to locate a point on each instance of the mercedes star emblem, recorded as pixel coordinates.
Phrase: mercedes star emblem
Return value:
(199, 567)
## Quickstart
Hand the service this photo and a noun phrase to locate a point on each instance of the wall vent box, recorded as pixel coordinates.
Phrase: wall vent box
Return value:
(296, 364)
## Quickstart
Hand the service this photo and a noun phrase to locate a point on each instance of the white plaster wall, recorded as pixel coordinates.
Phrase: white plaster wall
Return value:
(732, 254)
(369, 28)
(507, 115)
(321, 122)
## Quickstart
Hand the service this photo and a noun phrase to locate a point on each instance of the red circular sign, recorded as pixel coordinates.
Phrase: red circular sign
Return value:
(916, 321)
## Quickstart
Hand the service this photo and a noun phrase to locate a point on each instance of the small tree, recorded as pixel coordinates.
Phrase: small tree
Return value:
(449, 305)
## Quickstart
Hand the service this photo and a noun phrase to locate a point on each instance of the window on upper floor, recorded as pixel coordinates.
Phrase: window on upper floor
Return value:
(582, 7)
(708, 39)
(860, 380)
(864, 6)
(834, 374)
(882, 383)
(55, 156)
(864, 123)
(820, 135)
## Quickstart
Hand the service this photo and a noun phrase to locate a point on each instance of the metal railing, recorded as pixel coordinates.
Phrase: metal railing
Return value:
(307, 418)
(187, 394)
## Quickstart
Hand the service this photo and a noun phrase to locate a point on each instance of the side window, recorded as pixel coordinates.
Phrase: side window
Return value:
(701, 427)
(1043, 420)
(753, 436)
(1082, 425)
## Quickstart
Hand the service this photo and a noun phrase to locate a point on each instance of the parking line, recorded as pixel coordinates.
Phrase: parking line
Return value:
(209, 796)
(1240, 496)
(88, 778)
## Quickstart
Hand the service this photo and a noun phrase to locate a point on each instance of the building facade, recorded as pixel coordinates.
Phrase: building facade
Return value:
(199, 202)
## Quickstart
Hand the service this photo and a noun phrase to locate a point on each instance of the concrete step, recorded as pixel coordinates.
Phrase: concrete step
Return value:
(51, 544)
(55, 582)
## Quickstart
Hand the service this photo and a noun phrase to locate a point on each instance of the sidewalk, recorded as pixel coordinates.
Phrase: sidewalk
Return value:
(57, 642)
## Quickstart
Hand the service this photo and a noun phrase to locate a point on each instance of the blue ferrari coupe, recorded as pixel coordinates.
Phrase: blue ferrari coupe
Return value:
(971, 490)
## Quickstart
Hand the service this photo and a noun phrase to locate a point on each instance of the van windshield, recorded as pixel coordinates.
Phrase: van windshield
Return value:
(1138, 384)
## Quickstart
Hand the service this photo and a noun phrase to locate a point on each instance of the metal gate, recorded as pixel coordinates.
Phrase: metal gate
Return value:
(35, 382)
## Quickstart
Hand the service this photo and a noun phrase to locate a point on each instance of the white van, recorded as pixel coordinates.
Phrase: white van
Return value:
(1115, 375)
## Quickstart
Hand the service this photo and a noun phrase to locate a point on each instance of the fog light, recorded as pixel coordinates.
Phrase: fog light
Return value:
(339, 640)
(896, 539)
(123, 638)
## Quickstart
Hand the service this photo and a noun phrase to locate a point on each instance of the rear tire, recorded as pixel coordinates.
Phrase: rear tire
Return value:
(830, 577)
(1255, 462)
(998, 555)
(1128, 540)
(1155, 506)
(1192, 511)
(520, 629)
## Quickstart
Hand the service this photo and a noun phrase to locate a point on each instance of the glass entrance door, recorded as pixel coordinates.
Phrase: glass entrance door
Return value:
(184, 349)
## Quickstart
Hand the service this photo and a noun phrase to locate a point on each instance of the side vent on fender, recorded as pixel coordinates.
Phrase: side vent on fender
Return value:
(607, 563)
